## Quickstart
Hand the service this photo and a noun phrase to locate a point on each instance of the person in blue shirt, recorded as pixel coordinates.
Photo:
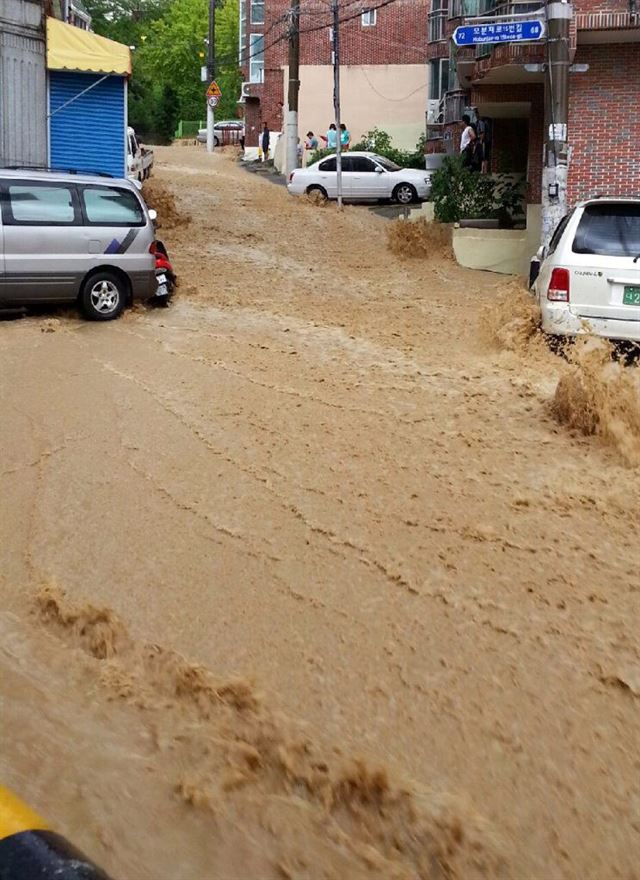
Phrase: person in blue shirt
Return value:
(331, 137)
(345, 136)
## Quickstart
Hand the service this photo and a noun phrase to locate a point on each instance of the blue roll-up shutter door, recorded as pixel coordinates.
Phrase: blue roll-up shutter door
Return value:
(88, 134)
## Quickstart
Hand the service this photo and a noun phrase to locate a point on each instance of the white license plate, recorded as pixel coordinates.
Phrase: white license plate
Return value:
(161, 279)
(162, 290)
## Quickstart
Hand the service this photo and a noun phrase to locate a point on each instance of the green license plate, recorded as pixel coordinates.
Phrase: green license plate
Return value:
(631, 296)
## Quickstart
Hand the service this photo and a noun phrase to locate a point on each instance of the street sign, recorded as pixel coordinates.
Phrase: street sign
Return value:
(213, 100)
(214, 90)
(498, 32)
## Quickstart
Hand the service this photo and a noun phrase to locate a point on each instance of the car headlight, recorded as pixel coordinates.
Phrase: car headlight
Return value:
(427, 180)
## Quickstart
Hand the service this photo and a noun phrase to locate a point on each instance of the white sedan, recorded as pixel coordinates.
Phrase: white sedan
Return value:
(364, 176)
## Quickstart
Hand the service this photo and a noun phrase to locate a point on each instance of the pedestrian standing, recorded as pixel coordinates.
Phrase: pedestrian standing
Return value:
(312, 141)
(467, 139)
(484, 137)
(345, 136)
(331, 137)
(265, 138)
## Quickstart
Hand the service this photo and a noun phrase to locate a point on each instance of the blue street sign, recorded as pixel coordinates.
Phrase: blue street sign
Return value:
(498, 32)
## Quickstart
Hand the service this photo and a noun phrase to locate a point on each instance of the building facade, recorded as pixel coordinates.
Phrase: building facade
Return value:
(383, 74)
(506, 83)
(23, 83)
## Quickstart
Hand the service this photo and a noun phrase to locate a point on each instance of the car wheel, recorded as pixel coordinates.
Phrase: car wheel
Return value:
(404, 193)
(103, 296)
(216, 142)
(317, 194)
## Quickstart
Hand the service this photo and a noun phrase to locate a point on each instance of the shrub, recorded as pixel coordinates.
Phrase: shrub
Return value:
(458, 193)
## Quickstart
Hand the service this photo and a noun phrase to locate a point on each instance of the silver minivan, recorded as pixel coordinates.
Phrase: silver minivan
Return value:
(67, 237)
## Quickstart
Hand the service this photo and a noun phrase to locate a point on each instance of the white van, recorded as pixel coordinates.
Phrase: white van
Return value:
(588, 277)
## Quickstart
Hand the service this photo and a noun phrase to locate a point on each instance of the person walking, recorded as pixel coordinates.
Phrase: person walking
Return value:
(345, 136)
(331, 137)
(265, 139)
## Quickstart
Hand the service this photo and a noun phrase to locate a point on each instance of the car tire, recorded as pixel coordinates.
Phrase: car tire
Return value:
(216, 142)
(317, 193)
(103, 296)
(405, 194)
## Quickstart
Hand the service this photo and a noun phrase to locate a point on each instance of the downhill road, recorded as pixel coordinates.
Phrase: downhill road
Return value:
(407, 595)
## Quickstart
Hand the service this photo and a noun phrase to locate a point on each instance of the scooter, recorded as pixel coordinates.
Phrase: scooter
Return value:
(165, 276)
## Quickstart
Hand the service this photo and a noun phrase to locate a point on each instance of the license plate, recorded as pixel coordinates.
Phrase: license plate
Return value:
(161, 279)
(162, 290)
(631, 296)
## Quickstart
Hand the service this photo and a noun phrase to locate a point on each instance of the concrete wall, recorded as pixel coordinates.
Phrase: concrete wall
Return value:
(391, 97)
(506, 251)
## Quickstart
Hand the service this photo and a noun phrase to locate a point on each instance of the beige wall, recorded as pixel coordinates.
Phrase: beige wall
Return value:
(507, 251)
(390, 97)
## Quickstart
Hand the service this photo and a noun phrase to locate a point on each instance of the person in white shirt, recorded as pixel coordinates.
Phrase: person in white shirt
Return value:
(468, 134)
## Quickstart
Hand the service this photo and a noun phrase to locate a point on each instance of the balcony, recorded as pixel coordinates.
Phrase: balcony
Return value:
(454, 105)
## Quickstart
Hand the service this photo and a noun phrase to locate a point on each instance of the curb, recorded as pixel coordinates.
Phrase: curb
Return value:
(29, 849)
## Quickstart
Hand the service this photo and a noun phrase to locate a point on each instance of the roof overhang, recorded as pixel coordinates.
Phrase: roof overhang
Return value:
(71, 48)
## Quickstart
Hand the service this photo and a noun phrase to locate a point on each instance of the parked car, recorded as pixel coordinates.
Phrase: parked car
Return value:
(67, 237)
(225, 132)
(139, 158)
(588, 278)
(364, 176)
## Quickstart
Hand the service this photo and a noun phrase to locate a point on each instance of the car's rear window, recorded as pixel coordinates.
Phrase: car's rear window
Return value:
(108, 206)
(610, 230)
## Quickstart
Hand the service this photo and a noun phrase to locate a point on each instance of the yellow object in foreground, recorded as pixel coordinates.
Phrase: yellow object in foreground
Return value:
(15, 816)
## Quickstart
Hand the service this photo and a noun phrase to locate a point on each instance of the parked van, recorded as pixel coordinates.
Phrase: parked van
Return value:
(74, 238)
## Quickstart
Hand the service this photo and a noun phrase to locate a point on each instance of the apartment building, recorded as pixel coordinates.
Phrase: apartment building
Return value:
(383, 71)
(507, 84)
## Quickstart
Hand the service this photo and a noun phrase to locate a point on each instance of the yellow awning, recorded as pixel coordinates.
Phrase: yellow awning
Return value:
(71, 48)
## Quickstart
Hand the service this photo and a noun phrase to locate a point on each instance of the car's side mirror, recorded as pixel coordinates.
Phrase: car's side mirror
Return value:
(379, 170)
(153, 215)
(541, 252)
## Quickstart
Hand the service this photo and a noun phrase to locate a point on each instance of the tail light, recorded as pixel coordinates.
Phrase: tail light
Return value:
(558, 290)
(152, 248)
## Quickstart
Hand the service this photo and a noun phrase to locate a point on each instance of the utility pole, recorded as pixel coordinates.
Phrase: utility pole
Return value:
(291, 161)
(211, 73)
(336, 94)
(556, 152)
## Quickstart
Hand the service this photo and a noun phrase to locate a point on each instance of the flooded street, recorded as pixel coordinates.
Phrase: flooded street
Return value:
(303, 578)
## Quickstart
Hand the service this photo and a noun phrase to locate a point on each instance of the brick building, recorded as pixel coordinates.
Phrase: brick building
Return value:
(604, 112)
(383, 72)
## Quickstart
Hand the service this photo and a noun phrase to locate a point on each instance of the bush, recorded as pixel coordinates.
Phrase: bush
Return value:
(459, 193)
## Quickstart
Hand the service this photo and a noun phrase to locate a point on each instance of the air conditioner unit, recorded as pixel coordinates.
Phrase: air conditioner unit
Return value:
(246, 90)
(433, 110)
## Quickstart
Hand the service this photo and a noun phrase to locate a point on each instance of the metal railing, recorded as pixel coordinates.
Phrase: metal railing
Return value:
(454, 104)
(436, 25)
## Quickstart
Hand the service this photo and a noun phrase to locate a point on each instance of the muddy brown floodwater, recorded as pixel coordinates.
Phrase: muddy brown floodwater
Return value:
(315, 574)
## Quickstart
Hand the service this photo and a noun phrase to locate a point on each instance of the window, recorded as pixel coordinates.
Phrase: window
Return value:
(257, 11)
(328, 165)
(387, 164)
(41, 205)
(369, 18)
(437, 18)
(112, 207)
(256, 58)
(243, 32)
(557, 235)
(363, 165)
(610, 230)
(439, 78)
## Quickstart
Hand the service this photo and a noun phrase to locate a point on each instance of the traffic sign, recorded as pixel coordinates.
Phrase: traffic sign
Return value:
(214, 90)
(499, 32)
(213, 101)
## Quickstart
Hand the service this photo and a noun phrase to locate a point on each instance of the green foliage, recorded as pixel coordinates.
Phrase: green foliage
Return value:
(459, 193)
(377, 141)
(169, 36)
